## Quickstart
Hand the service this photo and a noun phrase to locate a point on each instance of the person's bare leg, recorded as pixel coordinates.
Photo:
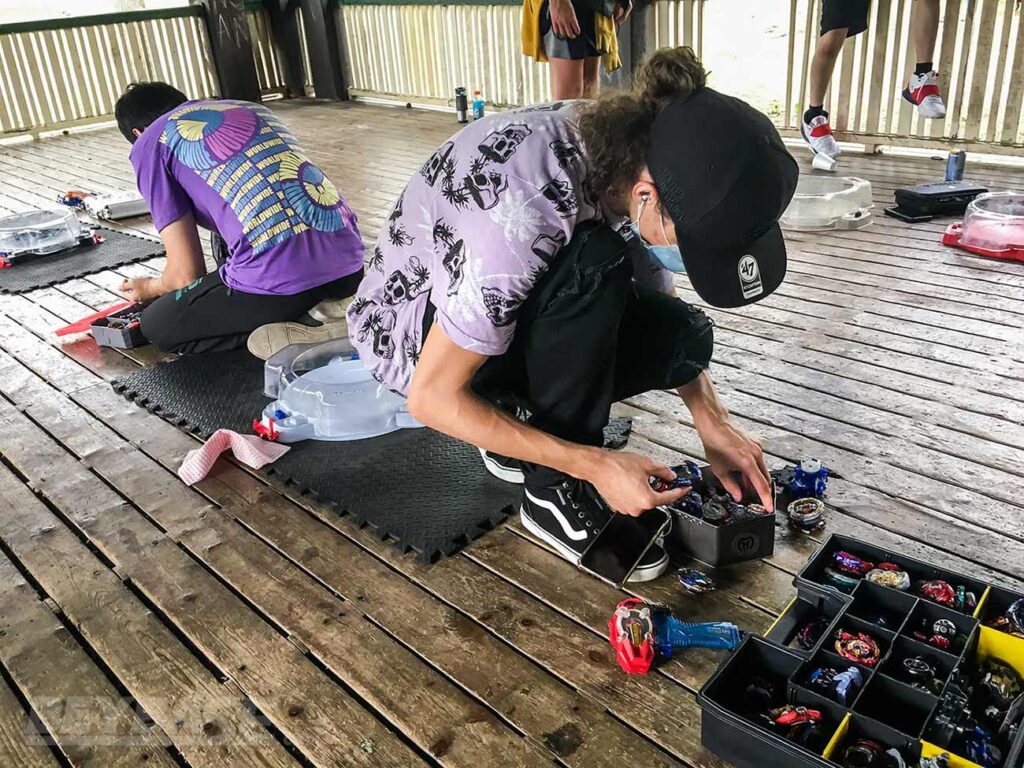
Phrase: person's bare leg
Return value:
(566, 78)
(824, 63)
(591, 77)
(926, 28)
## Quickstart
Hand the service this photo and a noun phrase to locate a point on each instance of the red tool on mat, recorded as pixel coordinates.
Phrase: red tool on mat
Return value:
(80, 326)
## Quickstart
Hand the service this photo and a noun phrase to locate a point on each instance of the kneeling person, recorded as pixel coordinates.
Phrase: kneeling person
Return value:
(527, 270)
(284, 240)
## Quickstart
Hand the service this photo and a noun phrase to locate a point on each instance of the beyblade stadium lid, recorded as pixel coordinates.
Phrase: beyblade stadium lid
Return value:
(829, 202)
(325, 393)
(40, 232)
(993, 226)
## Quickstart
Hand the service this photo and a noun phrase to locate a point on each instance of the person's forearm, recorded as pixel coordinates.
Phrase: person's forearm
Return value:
(468, 417)
(702, 401)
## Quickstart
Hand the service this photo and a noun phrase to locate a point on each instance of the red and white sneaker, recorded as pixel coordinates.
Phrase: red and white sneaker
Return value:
(818, 135)
(923, 92)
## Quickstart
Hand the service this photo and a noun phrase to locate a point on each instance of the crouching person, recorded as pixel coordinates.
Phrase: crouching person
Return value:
(284, 239)
(526, 273)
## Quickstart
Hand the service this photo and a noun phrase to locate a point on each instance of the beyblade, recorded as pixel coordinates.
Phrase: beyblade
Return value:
(893, 579)
(695, 581)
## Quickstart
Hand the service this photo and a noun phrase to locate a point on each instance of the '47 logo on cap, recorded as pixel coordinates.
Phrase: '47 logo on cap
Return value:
(750, 277)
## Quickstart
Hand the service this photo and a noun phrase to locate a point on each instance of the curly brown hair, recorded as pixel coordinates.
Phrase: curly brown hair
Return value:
(616, 128)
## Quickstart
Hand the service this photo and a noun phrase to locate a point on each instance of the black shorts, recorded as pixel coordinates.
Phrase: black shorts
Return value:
(583, 46)
(851, 15)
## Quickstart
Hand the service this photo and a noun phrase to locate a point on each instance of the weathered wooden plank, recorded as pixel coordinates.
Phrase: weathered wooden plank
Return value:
(317, 716)
(21, 743)
(856, 511)
(662, 711)
(602, 737)
(87, 717)
(148, 660)
(890, 369)
(432, 711)
(860, 382)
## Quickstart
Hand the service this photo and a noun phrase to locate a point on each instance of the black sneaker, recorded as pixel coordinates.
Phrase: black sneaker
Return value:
(502, 467)
(568, 516)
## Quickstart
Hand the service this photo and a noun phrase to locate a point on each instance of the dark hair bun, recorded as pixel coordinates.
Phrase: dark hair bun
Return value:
(671, 73)
(616, 128)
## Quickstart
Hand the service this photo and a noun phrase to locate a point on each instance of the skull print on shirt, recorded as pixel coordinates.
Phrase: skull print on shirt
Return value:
(501, 307)
(475, 230)
(500, 145)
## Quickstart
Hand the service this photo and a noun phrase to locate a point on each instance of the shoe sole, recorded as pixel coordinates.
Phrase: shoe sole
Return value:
(263, 344)
(500, 472)
(640, 573)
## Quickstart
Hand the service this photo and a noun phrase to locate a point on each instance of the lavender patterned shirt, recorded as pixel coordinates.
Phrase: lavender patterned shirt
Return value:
(472, 233)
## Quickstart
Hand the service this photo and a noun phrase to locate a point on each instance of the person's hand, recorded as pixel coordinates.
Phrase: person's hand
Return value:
(623, 480)
(563, 19)
(139, 289)
(737, 460)
(621, 12)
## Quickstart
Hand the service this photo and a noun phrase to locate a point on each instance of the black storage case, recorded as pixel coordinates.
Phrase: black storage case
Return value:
(810, 580)
(887, 709)
(938, 198)
(727, 544)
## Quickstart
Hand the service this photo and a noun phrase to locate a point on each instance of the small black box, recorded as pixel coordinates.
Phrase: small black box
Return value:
(938, 198)
(722, 544)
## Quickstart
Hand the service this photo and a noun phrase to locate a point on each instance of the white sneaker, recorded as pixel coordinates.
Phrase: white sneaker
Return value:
(923, 92)
(268, 340)
(330, 310)
(818, 135)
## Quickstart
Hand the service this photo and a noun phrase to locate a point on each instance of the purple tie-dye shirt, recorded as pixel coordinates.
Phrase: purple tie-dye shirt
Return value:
(239, 170)
(472, 233)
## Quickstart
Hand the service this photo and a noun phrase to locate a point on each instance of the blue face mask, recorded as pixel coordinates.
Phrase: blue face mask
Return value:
(667, 256)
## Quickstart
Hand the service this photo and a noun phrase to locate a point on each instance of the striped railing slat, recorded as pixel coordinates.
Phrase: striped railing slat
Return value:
(65, 72)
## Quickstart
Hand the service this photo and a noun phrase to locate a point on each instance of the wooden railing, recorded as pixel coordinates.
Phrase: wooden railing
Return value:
(66, 72)
(421, 52)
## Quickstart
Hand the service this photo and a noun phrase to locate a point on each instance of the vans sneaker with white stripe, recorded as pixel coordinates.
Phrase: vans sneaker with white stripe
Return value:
(569, 515)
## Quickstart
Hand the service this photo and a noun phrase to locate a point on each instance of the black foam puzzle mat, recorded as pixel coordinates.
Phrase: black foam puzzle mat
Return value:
(116, 250)
(422, 490)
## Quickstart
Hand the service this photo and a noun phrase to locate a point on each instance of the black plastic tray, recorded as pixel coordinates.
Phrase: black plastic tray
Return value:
(889, 707)
(811, 578)
(797, 614)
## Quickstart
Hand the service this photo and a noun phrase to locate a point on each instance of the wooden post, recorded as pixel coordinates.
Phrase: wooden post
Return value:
(232, 49)
(639, 27)
(284, 28)
(324, 52)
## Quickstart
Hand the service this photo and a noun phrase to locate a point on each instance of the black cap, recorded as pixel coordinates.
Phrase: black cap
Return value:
(724, 177)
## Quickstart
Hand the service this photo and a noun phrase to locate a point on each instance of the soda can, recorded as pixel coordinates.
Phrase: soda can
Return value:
(955, 165)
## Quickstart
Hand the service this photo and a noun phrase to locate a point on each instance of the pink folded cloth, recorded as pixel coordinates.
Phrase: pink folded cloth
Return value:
(248, 449)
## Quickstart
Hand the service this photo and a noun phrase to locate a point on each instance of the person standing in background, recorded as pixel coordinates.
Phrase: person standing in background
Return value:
(573, 36)
(841, 19)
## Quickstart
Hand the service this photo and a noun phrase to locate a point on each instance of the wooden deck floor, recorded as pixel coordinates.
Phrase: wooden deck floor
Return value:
(235, 624)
